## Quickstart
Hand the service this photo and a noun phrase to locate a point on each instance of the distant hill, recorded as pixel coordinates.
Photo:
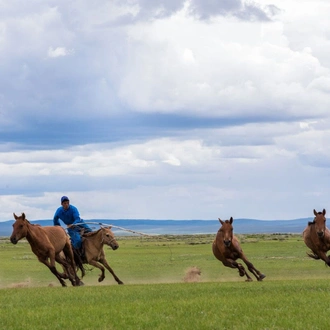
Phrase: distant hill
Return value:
(182, 227)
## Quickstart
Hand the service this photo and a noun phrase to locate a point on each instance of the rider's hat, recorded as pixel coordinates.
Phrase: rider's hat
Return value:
(64, 199)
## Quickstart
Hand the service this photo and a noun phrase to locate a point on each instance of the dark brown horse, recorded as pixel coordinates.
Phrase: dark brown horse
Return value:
(226, 248)
(47, 243)
(317, 237)
(93, 243)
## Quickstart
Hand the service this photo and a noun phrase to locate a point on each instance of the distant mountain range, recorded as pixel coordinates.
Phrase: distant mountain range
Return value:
(183, 227)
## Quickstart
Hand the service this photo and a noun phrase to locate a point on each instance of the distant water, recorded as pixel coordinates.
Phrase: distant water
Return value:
(183, 227)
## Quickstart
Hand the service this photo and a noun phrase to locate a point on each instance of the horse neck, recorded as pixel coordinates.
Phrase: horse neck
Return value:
(32, 235)
(96, 239)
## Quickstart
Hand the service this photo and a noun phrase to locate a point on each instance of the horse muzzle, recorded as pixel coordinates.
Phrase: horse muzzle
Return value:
(227, 242)
(320, 234)
(13, 240)
(115, 247)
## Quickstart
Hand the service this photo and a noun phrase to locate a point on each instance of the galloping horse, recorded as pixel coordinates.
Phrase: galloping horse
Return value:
(317, 237)
(47, 243)
(94, 254)
(226, 248)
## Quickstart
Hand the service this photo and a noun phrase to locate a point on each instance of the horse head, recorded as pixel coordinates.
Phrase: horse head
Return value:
(319, 222)
(226, 231)
(108, 238)
(19, 228)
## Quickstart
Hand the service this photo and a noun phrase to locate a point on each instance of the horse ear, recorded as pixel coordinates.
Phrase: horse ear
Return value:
(23, 216)
(315, 213)
(15, 216)
(231, 220)
(220, 221)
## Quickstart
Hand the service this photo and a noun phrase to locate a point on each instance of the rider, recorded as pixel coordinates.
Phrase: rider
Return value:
(69, 214)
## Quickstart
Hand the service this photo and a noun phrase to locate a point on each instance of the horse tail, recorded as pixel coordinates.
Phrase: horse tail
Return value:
(79, 262)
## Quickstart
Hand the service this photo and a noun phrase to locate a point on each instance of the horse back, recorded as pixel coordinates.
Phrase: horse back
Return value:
(57, 236)
(307, 236)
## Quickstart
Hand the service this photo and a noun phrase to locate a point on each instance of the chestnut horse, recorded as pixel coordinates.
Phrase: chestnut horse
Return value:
(47, 243)
(226, 248)
(317, 237)
(94, 254)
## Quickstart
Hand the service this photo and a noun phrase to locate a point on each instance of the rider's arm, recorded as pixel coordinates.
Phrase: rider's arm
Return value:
(75, 214)
(56, 219)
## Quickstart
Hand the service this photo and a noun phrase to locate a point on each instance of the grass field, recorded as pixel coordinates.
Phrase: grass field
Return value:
(294, 295)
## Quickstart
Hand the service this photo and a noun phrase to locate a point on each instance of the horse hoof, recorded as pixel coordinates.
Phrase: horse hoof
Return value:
(261, 277)
(120, 282)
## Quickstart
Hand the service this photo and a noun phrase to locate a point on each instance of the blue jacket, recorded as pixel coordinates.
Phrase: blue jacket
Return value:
(69, 216)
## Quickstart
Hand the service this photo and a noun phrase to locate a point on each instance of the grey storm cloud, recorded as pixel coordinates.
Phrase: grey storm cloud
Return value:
(201, 9)
(250, 11)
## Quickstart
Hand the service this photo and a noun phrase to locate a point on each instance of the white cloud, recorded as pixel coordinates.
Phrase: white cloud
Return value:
(241, 67)
(59, 51)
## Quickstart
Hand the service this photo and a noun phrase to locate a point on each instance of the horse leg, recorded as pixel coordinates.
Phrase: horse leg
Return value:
(69, 271)
(104, 262)
(233, 264)
(243, 272)
(322, 255)
(52, 268)
(95, 264)
(259, 276)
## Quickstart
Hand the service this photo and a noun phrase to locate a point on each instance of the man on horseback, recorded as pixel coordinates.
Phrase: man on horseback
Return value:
(69, 214)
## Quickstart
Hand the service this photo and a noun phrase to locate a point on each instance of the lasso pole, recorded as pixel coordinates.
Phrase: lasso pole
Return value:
(121, 228)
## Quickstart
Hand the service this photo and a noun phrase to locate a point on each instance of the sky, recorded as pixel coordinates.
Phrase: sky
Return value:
(165, 109)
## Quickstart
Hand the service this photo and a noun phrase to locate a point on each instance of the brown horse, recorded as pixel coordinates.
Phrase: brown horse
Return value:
(47, 243)
(226, 248)
(317, 237)
(94, 254)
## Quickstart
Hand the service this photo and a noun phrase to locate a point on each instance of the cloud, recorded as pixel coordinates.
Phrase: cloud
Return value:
(245, 10)
(164, 109)
(58, 52)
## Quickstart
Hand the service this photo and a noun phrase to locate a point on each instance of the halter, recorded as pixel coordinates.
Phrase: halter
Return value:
(102, 240)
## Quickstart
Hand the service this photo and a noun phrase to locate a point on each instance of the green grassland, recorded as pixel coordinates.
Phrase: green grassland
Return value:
(294, 295)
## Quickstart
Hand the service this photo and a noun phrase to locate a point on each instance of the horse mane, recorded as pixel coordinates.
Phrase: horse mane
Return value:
(92, 233)
(32, 224)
